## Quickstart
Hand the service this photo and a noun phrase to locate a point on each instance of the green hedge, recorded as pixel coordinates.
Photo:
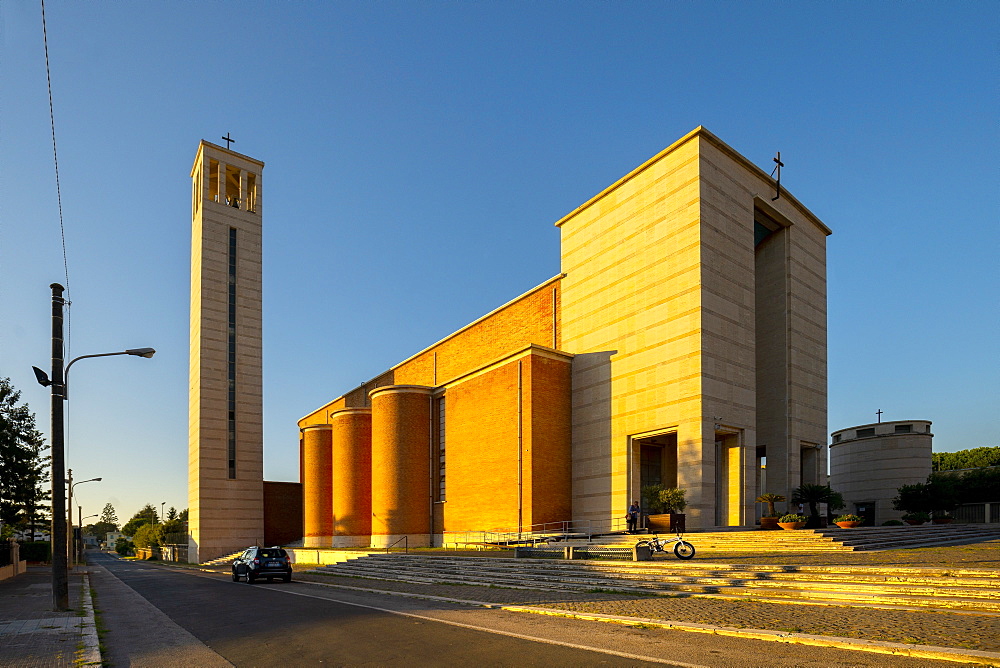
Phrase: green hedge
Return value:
(36, 551)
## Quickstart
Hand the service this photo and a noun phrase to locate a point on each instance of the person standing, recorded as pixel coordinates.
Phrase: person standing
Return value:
(632, 516)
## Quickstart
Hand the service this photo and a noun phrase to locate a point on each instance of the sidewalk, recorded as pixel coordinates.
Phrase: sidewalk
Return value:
(32, 635)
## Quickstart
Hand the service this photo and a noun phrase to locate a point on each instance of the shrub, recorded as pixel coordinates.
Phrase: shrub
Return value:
(672, 499)
(916, 517)
(849, 517)
(792, 517)
(124, 547)
(36, 551)
(893, 523)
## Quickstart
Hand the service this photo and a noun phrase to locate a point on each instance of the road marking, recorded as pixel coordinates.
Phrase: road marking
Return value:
(626, 655)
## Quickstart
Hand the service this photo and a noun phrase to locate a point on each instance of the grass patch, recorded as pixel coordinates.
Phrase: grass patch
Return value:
(99, 626)
(641, 625)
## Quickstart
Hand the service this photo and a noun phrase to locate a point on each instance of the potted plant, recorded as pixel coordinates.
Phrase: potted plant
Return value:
(792, 521)
(665, 505)
(770, 521)
(942, 518)
(916, 518)
(848, 521)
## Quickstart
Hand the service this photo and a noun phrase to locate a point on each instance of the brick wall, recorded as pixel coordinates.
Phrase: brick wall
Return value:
(282, 512)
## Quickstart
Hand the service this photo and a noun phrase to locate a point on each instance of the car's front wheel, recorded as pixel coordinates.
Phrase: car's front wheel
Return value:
(250, 578)
(286, 578)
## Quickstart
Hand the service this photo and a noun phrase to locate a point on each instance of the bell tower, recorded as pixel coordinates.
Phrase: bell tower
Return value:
(225, 427)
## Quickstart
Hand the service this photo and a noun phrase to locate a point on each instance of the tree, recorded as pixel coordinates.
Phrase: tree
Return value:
(815, 495)
(99, 530)
(770, 499)
(171, 513)
(23, 470)
(145, 515)
(109, 516)
(124, 547)
(966, 459)
(148, 535)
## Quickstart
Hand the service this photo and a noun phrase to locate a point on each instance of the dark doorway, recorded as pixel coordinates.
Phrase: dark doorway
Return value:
(658, 461)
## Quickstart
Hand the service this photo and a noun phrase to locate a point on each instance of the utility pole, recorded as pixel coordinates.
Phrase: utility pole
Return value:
(60, 574)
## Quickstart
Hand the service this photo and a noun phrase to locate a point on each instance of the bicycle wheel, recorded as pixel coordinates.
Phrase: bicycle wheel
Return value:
(683, 550)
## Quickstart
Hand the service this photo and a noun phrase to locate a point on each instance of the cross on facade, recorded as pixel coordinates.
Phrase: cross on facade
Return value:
(777, 168)
(879, 414)
(227, 139)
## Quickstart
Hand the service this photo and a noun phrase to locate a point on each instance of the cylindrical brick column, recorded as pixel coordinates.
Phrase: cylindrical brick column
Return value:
(401, 464)
(317, 486)
(352, 477)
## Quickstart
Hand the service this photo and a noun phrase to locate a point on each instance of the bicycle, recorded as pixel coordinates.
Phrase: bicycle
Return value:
(682, 549)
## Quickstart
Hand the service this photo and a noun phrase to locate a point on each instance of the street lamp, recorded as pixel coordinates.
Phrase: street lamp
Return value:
(69, 519)
(161, 511)
(60, 571)
(81, 518)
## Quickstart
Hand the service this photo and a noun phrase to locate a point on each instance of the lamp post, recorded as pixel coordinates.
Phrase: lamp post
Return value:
(60, 572)
(69, 517)
(80, 519)
(161, 511)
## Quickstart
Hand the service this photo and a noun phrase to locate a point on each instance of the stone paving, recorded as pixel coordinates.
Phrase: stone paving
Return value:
(32, 635)
(960, 630)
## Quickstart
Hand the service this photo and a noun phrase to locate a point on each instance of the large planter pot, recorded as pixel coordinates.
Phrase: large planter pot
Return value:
(769, 523)
(848, 525)
(943, 520)
(666, 522)
(791, 526)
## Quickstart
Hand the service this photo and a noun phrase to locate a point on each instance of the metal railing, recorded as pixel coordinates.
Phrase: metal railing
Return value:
(545, 532)
(405, 540)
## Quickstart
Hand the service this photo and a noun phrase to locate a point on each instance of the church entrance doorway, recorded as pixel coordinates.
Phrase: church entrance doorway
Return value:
(657, 461)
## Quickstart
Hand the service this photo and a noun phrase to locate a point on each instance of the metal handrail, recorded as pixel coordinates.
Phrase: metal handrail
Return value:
(406, 545)
(536, 533)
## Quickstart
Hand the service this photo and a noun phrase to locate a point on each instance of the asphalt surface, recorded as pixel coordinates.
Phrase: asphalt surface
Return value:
(157, 616)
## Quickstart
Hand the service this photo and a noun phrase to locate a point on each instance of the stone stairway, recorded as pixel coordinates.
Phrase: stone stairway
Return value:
(891, 587)
(821, 540)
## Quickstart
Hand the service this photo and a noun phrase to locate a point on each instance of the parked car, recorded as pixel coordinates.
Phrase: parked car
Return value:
(262, 562)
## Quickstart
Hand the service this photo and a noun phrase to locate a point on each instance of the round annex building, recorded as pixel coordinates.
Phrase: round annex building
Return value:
(870, 462)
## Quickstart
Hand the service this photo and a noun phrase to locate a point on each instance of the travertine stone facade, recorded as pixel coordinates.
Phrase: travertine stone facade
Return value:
(669, 304)
(870, 462)
(225, 449)
(684, 343)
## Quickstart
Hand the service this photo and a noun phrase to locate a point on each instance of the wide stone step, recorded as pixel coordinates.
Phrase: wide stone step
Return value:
(967, 588)
(897, 576)
(906, 595)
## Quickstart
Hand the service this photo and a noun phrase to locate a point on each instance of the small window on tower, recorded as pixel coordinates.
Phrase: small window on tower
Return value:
(233, 186)
(251, 192)
(904, 428)
(213, 180)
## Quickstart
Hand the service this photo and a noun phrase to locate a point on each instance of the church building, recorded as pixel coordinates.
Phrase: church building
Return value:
(683, 343)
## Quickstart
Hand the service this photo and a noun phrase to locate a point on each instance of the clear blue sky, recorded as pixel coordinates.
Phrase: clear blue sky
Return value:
(417, 157)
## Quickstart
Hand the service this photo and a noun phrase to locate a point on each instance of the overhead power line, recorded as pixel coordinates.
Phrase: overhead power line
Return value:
(55, 160)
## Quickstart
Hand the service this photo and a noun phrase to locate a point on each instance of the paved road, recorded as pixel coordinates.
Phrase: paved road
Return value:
(161, 617)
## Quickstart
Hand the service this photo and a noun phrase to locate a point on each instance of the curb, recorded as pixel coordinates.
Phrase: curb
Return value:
(90, 655)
